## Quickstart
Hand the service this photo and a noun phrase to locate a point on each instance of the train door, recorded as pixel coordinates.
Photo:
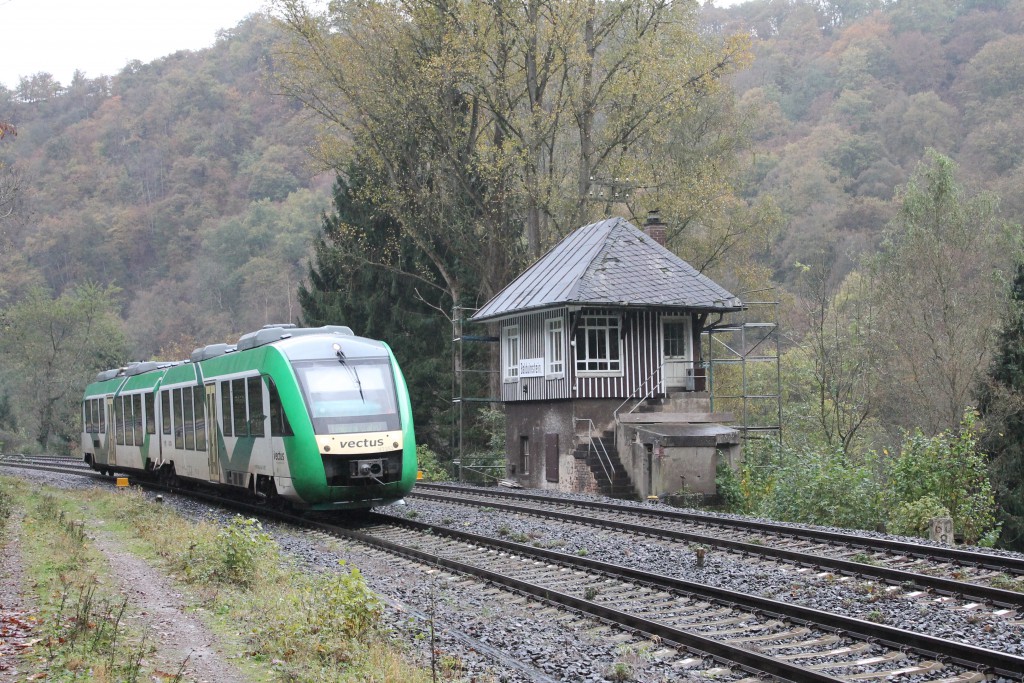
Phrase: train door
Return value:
(111, 432)
(212, 442)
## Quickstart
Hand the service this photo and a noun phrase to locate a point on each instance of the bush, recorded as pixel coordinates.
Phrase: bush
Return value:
(914, 519)
(240, 553)
(430, 466)
(799, 485)
(728, 486)
(322, 617)
(949, 468)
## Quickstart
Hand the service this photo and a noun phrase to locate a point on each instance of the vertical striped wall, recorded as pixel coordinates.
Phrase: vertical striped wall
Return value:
(641, 357)
(531, 345)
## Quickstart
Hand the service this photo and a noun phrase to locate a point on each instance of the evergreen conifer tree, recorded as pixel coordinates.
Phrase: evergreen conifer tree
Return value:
(1001, 403)
(367, 275)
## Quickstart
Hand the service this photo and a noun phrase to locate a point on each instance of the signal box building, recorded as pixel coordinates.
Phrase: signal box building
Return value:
(601, 378)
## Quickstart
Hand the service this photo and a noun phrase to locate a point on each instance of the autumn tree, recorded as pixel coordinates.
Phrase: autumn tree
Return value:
(838, 319)
(495, 128)
(51, 348)
(939, 285)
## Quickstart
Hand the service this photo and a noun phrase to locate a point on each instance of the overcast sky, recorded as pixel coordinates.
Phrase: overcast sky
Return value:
(100, 37)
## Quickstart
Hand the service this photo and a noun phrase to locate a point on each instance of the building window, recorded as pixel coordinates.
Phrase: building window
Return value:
(510, 353)
(554, 348)
(599, 345)
(524, 455)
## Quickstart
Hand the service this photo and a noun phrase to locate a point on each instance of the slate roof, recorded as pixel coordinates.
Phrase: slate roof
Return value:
(609, 263)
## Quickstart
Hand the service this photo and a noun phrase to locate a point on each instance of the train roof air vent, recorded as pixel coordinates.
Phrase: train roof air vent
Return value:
(210, 351)
(139, 368)
(275, 333)
(107, 375)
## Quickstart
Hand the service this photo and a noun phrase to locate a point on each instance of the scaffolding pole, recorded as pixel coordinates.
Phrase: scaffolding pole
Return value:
(459, 397)
(743, 368)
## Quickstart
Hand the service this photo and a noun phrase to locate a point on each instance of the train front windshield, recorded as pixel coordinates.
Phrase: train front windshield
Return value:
(349, 397)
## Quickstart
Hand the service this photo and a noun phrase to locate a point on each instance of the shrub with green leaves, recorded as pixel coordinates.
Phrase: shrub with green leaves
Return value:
(951, 469)
(914, 518)
(240, 553)
(324, 613)
(801, 485)
(430, 465)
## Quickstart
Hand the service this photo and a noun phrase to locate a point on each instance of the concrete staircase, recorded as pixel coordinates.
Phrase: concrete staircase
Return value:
(593, 449)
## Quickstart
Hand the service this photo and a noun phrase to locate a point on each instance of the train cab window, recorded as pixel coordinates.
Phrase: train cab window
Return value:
(257, 414)
(199, 401)
(165, 411)
(119, 419)
(188, 419)
(225, 408)
(103, 415)
(137, 423)
(87, 415)
(179, 423)
(150, 414)
(351, 397)
(238, 405)
(278, 420)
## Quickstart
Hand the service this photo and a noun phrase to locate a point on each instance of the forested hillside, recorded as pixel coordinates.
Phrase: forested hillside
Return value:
(860, 160)
(185, 183)
(848, 97)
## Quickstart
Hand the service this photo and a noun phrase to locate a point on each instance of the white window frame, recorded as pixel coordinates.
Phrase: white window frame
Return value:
(510, 353)
(554, 348)
(602, 325)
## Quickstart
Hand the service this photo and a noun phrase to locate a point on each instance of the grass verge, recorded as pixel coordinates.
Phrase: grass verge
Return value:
(283, 624)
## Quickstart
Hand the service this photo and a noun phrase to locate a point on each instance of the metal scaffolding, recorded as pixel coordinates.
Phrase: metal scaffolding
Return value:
(467, 381)
(744, 375)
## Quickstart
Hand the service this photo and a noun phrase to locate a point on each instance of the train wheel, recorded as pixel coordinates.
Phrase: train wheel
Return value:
(168, 477)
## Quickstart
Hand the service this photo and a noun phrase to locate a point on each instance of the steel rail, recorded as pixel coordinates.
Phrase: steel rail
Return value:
(998, 596)
(969, 656)
(730, 653)
(966, 557)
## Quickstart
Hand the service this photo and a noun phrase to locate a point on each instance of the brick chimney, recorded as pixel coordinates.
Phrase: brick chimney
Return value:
(654, 228)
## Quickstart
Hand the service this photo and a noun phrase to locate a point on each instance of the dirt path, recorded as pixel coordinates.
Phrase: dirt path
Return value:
(180, 637)
(158, 609)
(17, 627)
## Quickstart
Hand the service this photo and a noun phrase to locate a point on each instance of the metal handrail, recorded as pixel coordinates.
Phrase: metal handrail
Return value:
(598, 448)
(657, 370)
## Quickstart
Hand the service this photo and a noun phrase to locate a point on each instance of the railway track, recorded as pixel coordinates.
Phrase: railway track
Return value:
(947, 571)
(768, 636)
(754, 635)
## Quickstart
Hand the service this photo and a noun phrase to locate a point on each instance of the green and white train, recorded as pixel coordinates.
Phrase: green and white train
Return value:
(315, 417)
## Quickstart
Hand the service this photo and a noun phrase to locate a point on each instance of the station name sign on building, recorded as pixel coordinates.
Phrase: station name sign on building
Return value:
(531, 367)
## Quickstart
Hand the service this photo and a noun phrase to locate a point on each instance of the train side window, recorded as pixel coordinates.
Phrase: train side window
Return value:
(93, 421)
(102, 405)
(278, 420)
(199, 401)
(225, 408)
(165, 411)
(179, 422)
(257, 411)
(150, 414)
(137, 422)
(238, 404)
(188, 419)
